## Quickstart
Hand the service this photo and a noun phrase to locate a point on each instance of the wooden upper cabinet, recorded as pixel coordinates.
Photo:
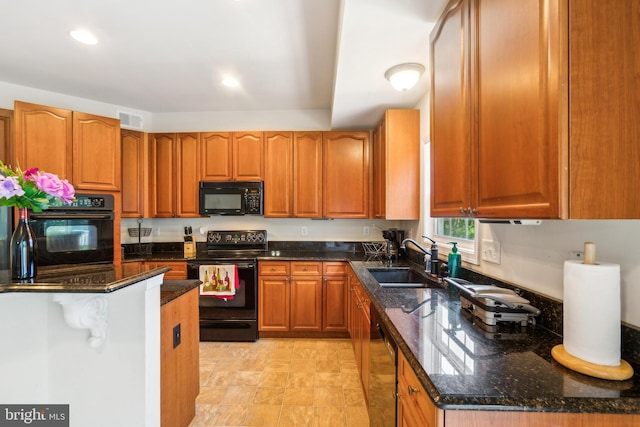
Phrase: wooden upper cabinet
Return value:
(307, 174)
(43, 139)
(346, 174)
(174, 174)
(278, 174)
(451, 149)
(550, 131)
(507, 161)
(6, 136)
(97, 157)
(603, 124)
(517, 80)
(216, 150)
(135, 161)
(187, 174)
(248, 156)
(396, 166)
(232, 156)
(162, 175)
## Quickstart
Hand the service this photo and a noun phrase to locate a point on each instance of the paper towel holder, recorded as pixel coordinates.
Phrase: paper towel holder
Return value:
(621, 372)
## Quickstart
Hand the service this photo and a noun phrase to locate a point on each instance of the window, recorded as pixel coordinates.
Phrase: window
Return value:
(463, 231)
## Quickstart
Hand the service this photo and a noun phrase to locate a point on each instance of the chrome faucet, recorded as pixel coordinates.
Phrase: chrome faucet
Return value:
(427, 254)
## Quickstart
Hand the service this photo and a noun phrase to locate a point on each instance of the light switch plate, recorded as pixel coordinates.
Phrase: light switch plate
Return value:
(491, 251)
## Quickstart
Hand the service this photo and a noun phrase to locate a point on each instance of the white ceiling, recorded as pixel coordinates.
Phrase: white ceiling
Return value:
(165, 56)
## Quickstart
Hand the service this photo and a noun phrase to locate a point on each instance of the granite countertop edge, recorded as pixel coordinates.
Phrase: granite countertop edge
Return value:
(173, 289)
(54, 287)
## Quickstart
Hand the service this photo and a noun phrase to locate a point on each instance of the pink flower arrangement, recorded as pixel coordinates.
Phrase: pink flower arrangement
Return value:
(33, 189)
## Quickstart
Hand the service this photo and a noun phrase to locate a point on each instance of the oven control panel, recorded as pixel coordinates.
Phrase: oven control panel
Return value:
(239, 238)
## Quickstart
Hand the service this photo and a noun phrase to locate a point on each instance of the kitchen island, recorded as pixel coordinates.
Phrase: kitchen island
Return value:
(85, 336)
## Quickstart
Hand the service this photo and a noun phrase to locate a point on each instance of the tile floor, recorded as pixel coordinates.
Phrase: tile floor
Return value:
(280, 382)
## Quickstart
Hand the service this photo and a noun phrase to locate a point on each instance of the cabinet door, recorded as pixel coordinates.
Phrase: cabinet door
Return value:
(278, 174)
(134, 173)
(307, 174)
(346, 174)
(6, 136)
(163, 175)
(306, 303)
(216, 156)
(379, 171)
(400, 177)
(43, 139)
(273, 303)
(452, 154)
(517, 89)
(97, 157)
(248, 156)
(187, 174)
(335, 304)
(603, 125)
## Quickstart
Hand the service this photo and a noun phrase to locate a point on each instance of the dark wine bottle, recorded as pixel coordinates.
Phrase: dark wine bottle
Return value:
(23, 249)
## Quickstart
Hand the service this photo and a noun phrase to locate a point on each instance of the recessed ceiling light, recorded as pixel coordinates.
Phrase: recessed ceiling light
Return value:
(230, 82)
(83, 36)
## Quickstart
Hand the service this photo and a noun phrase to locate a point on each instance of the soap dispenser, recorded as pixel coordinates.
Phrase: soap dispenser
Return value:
(454, 261)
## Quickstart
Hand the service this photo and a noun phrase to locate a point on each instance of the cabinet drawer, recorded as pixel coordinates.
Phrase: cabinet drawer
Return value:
(304, 268)
(273, 268)
(178, 269)
(335, 268)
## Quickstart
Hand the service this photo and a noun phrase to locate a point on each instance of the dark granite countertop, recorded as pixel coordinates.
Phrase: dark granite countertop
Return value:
(465, 366)
(89, 278)
(172, 289)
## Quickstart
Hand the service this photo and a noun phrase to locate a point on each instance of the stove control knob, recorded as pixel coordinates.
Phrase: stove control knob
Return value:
(213, 237)
(260, 237)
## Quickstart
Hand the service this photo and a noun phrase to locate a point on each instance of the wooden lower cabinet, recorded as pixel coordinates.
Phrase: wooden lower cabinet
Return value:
(416, 409)
(179, 364)
(359, 328)
(178, 269)
(335, 304)
(297, 296)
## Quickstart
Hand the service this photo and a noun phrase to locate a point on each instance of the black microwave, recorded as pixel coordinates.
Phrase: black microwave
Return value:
(231, 198)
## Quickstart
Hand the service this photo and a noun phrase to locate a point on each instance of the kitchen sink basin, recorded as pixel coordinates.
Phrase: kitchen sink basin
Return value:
(398, 278)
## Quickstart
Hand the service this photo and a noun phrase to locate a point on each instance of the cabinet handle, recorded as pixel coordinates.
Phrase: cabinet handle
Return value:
(473, 211)
(412, 390)
(359, 305)
(273, 269)
(463, 210)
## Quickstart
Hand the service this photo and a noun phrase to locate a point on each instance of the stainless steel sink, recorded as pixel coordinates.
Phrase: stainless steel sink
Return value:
(398, 277)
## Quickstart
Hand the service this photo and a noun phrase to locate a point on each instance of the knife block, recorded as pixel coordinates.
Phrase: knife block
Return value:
(189, 249)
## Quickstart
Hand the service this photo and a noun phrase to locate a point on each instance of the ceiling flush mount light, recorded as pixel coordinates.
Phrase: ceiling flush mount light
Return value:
(230, 82)
(404, 76)
(83, 36)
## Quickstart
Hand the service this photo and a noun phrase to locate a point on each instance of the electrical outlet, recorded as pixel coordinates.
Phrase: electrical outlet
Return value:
(304, 231)
(176, 335)
(365, 231)
(491, 251)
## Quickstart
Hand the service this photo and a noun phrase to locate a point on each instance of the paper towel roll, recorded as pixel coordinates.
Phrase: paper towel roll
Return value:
(592, 312)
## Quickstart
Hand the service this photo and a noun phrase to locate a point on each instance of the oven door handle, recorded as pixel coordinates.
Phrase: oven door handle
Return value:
(71, 215)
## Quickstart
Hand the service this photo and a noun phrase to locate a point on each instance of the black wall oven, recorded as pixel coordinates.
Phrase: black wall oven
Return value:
(80, 233)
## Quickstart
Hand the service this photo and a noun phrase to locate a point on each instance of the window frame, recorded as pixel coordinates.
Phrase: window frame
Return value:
(468, 249)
